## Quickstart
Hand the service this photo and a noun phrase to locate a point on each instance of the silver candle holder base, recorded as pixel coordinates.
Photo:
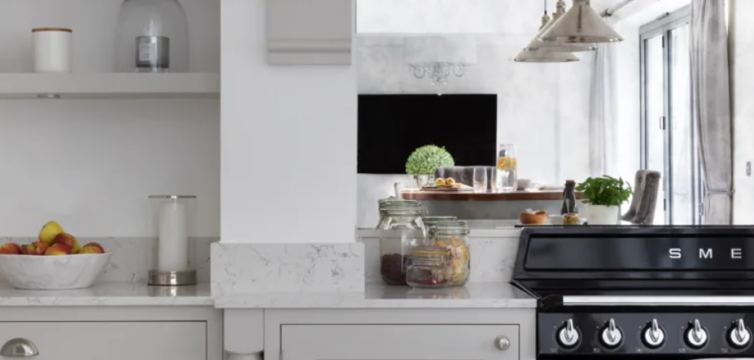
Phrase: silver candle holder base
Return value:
(172, 278)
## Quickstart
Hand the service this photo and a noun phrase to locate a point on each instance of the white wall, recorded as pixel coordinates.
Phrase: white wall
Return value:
(91, 164)
(288, 140)
(542, 108)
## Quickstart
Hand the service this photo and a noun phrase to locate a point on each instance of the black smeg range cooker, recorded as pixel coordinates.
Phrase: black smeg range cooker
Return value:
(640, 292)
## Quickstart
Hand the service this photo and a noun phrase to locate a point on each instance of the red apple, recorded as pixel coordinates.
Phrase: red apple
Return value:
(10, 249)
(94, 244)
(41, 248)
(67, 240)
(58, 249)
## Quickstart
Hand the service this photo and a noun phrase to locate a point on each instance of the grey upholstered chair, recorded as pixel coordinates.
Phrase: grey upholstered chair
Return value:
(462, 174)
(644, 202)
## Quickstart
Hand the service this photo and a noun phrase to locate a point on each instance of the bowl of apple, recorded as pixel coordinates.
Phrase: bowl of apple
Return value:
(54, 262)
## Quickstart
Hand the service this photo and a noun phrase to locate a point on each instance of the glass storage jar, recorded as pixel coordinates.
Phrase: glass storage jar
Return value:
(429, 221)
(430, 267)
(152, 36)
(454, 237)
(401, 228)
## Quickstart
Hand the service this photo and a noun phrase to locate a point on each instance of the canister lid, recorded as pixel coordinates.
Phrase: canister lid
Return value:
(51, 29)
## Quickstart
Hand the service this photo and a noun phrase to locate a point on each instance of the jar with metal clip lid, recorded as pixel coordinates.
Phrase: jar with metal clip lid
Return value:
(401, 228)
(430, 267)
(454, 237)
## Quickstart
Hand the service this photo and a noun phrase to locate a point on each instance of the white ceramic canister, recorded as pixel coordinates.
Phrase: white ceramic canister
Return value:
(52, 50)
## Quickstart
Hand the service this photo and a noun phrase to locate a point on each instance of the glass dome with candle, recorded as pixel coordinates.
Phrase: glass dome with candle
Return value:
(171, 223)
(152, 36)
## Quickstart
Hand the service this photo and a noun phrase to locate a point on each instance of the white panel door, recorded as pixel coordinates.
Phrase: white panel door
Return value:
(111, 340)
(398, 342)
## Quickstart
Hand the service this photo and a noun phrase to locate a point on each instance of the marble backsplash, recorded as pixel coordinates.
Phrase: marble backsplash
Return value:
(493, 254)
(129, 260)
(287, 267)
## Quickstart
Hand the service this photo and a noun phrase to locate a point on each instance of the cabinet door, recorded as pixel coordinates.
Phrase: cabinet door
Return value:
(111, 340)
(307, 32)
(397, 342)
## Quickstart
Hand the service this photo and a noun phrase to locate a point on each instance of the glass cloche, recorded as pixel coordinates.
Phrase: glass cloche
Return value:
(152, 36)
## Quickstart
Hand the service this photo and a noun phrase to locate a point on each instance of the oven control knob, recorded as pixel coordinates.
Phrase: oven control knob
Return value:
(611, 336)
(696, 336)
(653, 336)
(739, 335)
(568, 336)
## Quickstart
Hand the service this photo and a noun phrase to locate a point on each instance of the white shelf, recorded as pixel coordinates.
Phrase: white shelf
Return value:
(109, 86)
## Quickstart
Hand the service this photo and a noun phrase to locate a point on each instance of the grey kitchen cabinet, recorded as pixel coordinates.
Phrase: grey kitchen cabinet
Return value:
(400, 342)
(115, 332)
(110, 340)
(309, 32)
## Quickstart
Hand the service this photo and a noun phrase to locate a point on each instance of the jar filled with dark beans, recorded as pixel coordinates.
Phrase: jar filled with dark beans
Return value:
(401, 228)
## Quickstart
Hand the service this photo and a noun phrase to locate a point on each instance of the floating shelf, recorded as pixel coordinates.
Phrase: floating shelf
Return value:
(109, 86)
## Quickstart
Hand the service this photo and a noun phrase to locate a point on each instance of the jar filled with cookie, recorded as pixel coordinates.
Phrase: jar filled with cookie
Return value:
(454, 236)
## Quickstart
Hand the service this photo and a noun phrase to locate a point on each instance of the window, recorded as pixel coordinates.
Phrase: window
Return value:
(669, 141)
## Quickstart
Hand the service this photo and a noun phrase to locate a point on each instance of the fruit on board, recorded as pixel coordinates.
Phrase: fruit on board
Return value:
(10, 249)
(96, 245)
(450, 181)
(439, 182)
(57, 250)
(69, 241)
(49, 232)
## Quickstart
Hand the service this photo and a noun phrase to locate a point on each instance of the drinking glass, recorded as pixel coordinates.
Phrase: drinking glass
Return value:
(480, 179)
(493, 181)
(507, 168)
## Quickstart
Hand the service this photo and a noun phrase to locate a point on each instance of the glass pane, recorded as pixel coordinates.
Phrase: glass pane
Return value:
(681, 149)
(654, 93)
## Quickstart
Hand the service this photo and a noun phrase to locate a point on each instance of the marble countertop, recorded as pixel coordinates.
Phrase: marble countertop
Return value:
(109, 294)
(473, 295)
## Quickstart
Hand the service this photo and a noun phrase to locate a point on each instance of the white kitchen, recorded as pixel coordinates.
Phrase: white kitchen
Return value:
(190, 176)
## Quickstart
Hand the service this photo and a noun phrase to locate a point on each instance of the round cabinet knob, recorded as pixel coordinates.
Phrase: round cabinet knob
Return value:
(19, 347)
(502, 343)
(568, 336)
(739, 335)
(696, 336)
(611, 336)
(653, 336)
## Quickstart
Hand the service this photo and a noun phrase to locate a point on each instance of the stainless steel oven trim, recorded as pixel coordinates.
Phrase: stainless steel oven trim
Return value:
(659, 300)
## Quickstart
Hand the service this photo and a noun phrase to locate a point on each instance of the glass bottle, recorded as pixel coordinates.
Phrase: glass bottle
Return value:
(152, 28)
(454, 237)
(430, 267)
(402, 228)
(507, 168)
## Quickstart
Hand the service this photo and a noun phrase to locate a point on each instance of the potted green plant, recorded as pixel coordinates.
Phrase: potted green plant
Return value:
(424, 161)
(603, 197)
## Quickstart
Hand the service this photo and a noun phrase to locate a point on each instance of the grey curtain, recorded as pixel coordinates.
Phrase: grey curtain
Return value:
(711, 109)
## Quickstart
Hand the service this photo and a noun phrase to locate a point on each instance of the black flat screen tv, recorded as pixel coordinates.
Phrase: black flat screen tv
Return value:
(390, 127)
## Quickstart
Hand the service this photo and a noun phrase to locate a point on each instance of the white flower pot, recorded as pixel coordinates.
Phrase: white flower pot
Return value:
(602, 215)
(424, 180)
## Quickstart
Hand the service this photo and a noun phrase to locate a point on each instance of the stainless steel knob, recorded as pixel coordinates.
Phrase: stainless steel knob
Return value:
(739, 336)
(502, 343)
(696, 336)
(19, 347)
(568, 335)
(653, 336)
(611, 336)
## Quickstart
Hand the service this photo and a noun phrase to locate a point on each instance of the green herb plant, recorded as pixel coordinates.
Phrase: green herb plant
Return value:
(426, 159)
(605, 190)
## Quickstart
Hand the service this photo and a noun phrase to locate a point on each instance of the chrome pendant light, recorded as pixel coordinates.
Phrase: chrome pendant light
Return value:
(581, 25)
(557, 46)
(534, 53)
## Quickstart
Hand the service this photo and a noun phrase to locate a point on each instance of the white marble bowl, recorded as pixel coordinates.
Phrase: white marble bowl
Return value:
(53, 272)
